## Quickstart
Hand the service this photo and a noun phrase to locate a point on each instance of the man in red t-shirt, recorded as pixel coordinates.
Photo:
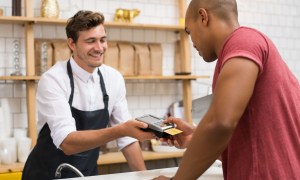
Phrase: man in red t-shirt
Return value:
(254, 117)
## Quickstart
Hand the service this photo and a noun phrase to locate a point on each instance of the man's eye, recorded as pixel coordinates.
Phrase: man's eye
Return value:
(103, 40)
(90, 41)
(187, 31)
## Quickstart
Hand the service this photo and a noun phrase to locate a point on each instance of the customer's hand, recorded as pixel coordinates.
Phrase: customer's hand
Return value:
(133, 128)
(180, 140)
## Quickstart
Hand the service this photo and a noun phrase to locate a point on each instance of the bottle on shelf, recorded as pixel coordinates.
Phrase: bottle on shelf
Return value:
(16, 7)
(16, 45)
(50, 9)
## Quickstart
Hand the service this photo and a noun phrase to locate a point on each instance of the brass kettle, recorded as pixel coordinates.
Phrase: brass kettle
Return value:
(50, 9)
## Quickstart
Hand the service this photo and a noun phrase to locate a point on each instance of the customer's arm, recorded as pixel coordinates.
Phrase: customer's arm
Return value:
(233, 90)
(133, 155)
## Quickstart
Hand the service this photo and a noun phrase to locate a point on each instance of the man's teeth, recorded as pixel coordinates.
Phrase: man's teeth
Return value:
(97, 54)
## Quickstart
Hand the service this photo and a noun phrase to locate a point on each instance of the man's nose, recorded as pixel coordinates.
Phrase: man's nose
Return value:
(99, 46)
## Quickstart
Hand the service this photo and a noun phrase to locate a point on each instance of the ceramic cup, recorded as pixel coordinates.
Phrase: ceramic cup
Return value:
(6, 156)
(8, 150)
(24, 148)
(20, 132)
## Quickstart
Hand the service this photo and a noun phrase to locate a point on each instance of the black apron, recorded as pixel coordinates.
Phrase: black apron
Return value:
(45, 157)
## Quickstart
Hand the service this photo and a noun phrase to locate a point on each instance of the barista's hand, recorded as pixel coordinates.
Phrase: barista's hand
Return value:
(133, 128)
(180, 140)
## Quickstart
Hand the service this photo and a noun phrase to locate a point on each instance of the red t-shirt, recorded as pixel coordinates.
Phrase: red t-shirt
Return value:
(266, 141)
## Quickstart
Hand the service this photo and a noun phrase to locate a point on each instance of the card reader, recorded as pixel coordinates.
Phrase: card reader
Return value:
(157, 126)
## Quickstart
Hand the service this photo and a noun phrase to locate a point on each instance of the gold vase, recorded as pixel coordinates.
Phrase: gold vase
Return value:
(50, 9)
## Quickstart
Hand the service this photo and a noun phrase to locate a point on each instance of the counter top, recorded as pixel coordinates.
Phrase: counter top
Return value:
(213, 173)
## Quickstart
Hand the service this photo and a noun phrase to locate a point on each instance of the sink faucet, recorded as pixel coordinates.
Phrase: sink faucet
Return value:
(66, 165)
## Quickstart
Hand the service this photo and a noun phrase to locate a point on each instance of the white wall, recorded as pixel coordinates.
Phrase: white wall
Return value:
(279, 19)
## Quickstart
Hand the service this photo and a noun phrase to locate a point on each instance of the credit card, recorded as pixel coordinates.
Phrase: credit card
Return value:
(173, 131)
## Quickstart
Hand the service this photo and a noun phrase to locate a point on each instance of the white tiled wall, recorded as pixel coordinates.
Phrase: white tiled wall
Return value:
(279, 19)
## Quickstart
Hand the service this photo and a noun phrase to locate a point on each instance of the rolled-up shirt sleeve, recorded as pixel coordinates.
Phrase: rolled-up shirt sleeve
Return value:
(53, 108)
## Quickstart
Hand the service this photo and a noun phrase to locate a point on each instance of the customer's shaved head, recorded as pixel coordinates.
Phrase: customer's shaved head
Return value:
(223, 9)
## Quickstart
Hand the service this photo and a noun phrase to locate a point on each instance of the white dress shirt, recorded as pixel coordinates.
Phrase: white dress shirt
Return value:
(53, 94)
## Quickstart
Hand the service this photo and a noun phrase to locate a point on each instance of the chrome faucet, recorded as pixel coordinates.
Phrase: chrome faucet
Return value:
(66, 165)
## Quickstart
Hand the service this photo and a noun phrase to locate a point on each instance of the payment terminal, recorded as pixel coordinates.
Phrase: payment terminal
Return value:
(157, 125)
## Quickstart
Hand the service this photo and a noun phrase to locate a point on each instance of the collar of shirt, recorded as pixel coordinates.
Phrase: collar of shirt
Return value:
(82, 74)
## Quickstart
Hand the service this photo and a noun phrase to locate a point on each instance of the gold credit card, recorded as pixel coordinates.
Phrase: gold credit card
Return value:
(173, 131)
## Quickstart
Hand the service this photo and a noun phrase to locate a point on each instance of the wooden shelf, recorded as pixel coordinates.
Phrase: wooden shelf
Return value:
(40, 20)
(117, 157)
(15, 19)
(15, 167)
(144, 26)
(54, 21)
(104, 159)
(19, 78)
(177, 77)
(50, 21)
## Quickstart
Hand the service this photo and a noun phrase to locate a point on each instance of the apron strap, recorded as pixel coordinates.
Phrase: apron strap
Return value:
(70, 74)
(102, 86)
(103, 89)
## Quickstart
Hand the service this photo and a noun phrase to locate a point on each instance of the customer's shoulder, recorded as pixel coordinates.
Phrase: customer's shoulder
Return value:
(248, 31)
(246, 36)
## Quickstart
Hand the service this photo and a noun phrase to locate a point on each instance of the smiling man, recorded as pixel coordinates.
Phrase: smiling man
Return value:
(81, 106)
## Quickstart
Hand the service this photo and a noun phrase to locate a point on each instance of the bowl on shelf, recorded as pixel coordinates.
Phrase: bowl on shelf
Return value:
(162, 147)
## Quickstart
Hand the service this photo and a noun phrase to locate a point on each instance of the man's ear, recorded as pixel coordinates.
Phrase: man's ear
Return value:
(71, 44)
(203, 15)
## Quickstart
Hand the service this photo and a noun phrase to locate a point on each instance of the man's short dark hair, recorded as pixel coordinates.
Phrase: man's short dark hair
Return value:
(81, 21)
